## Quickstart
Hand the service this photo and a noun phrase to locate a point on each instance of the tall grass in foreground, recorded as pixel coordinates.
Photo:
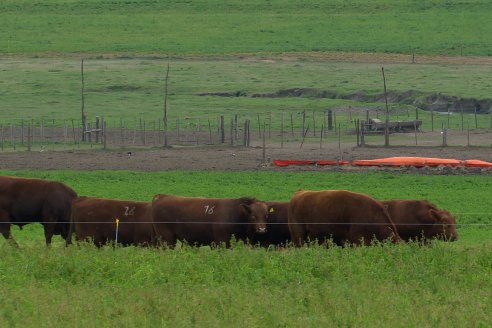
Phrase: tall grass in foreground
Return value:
(443, 285)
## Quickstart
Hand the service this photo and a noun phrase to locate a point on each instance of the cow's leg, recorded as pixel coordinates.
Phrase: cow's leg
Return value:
(164, 236)
(357, 235)
(49, 220)
(5, 228)
(49, 229)
(297, 233)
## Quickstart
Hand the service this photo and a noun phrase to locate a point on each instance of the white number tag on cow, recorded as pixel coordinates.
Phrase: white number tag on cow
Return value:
(209, 209)
(129, 210)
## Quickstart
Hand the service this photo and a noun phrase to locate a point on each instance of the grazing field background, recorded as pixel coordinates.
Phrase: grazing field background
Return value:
(126, 91)
(242, 49)
(215, 27)
(440, 284)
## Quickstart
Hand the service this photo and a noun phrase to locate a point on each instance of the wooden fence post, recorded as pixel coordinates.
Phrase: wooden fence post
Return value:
(357, 131)
(73, 132)
(29, 137)
(232, 131)
(98, 125)
(222, 132)
(22, 132)
(104, 135)
(177, 129)
(303, 122)
(144, 137)
(122, 140)
(259, 127)
(415, 130)
(476, 122)
(292, 123)
(42, 131)
(335, 121)
(462, 123)
(264, 145)
(1, 136)
(339, 143)
(304, 135)
(314, 123)
(432, 120)
(282, 131)
(444, 133)
(330, 120)
(65, 134)
(235, 127)
(12, 136)
(362, 133)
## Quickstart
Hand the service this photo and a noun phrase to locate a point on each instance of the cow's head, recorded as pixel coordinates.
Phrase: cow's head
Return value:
(256, 212)
(443, 225)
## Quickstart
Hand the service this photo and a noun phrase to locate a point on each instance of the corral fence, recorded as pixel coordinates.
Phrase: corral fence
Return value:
(277, 129)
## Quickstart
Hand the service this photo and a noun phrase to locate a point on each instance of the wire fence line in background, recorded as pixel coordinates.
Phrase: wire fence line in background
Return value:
(230, 130)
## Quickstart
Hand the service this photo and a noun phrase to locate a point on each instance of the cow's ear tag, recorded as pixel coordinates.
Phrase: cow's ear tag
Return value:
(271, 210)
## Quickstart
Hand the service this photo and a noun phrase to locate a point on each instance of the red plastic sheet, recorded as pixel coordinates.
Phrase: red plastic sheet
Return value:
(408, 161)
(287, 162)
(476, 163)
(392, 161)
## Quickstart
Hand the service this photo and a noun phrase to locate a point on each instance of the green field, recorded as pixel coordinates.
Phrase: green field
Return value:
(127, 90)
(216, 27)
(444, 284)
(245, 47)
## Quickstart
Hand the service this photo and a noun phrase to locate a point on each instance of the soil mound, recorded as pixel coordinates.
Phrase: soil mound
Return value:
(433, 101)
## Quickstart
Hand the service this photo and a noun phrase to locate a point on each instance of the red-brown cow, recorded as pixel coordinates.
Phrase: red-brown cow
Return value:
(207, 220)
(26, 200)
(277, 226)
(341, 215)
(417, 219)
(95, 219)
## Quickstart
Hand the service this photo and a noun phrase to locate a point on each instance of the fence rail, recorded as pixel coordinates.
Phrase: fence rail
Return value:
(232, 130)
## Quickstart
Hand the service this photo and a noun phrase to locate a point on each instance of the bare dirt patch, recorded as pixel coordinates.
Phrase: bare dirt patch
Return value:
(223, 158)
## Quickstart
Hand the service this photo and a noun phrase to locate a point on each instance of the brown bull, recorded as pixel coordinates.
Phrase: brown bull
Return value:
(207, 220)
(344, 216)
(416, 219)
(277, 226)
(26, 200)
(95, 219)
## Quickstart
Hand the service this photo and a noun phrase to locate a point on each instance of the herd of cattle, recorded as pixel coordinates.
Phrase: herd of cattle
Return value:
(342, 216)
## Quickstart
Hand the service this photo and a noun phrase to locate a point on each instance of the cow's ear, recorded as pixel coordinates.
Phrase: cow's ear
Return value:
(434, 215)
(245, 208)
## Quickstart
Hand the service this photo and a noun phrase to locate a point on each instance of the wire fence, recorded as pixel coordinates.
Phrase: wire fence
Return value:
(236, 130)
(253, 223)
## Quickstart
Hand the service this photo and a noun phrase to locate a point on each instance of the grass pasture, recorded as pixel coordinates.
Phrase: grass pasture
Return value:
(245, 47)
(127, 90)
(444, 284)
(215, 27)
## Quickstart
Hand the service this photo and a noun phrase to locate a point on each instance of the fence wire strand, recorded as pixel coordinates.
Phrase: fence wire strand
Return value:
(250, 223)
